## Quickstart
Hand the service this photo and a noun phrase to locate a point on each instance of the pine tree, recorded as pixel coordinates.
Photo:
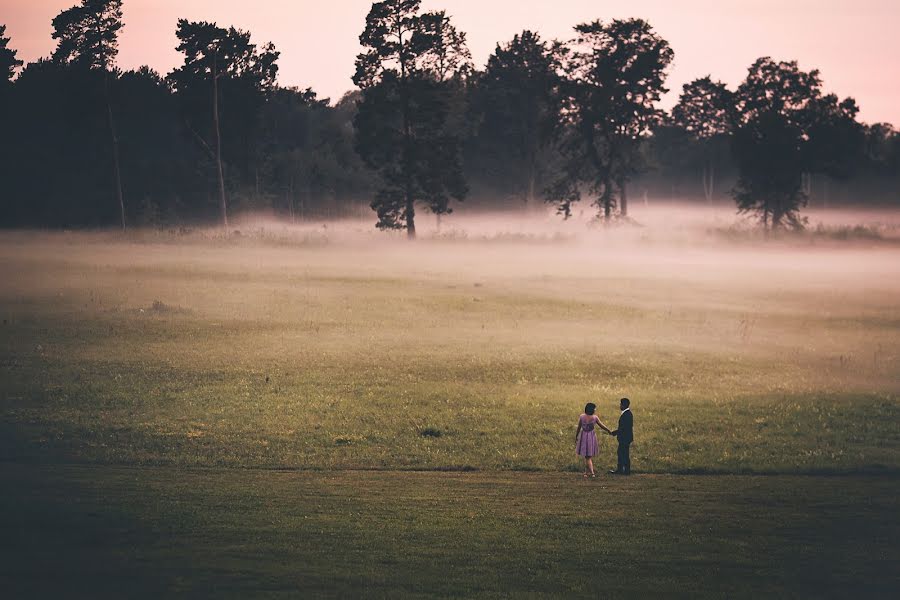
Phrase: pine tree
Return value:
(412, 64)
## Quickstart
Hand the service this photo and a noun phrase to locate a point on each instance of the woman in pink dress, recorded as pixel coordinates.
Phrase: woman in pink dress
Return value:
(586, 438)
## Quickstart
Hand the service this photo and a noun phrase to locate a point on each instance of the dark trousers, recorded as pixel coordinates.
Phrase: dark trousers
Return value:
(624, 458)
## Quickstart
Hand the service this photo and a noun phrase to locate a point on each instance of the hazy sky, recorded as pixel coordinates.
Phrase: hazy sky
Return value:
(855, 43)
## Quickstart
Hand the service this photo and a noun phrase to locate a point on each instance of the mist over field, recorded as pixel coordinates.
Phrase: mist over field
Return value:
(240, 386)
(285, 334)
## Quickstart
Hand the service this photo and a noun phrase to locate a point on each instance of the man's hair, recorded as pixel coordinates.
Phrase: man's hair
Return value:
(626, 402)
(589, 408)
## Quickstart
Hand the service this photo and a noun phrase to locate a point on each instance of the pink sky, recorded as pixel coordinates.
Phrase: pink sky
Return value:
(856, 44)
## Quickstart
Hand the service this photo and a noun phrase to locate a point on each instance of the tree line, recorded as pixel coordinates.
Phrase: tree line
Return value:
(571, 123)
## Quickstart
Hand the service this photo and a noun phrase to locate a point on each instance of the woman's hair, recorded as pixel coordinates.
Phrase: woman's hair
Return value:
(589, 408)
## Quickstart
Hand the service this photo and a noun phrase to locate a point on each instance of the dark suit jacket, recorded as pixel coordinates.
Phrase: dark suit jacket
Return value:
(625, 432)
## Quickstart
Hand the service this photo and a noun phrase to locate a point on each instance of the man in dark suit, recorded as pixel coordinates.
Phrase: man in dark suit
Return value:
(625, 435)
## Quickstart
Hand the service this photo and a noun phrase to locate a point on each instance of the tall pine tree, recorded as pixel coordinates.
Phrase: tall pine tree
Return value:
(223, 63)
(408, 73)
(516, 106)
(614, 77)
(88, 37)
(8, 61)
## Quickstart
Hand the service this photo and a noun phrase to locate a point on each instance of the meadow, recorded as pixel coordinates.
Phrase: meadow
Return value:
(296, 381)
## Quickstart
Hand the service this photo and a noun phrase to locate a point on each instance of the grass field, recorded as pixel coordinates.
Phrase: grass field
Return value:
(231, 388)
(155, 531)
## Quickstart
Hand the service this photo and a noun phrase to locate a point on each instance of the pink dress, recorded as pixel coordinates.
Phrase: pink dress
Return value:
(587, 440)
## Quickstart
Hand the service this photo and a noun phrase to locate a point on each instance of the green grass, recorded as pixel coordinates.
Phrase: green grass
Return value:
(150, 532)
(498, 415)
(216, 416)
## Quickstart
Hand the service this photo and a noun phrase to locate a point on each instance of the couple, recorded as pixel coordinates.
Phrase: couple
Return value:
(586, 439)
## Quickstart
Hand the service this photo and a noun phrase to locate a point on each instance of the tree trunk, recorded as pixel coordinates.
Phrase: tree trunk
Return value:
(410, 218)
(532, 176)
(623, 198)
(529, 195)
(704, 176)
(219, 172)
(304, 204)
(410, 213)
(709, 181)
(777, 214)
(291, 198)
(607, 202)
(115, 149)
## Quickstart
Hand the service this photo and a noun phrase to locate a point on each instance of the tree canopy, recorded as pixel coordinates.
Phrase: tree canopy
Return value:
(785, 127)
(615, 75)
(8, 61)
(88, 34)
(410, 73)
(426, 128)
(706, 111)
(515, 104)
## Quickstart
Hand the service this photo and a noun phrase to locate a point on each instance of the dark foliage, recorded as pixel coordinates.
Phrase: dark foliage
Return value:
(92, 146)
(283, 150)
(412, 70)
(614, 78)
(87, 37)
(706, 111)
(514, 109)
(786, 128)
(8, 61)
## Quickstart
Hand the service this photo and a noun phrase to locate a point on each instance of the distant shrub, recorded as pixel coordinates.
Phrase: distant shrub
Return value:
(450, 235)
(158, 306)
(430, 432)
(161, 308)
(847, 232)
(751, 232)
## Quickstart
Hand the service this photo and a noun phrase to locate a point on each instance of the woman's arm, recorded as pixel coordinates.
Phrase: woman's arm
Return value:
(602, 426)
(578, 430)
